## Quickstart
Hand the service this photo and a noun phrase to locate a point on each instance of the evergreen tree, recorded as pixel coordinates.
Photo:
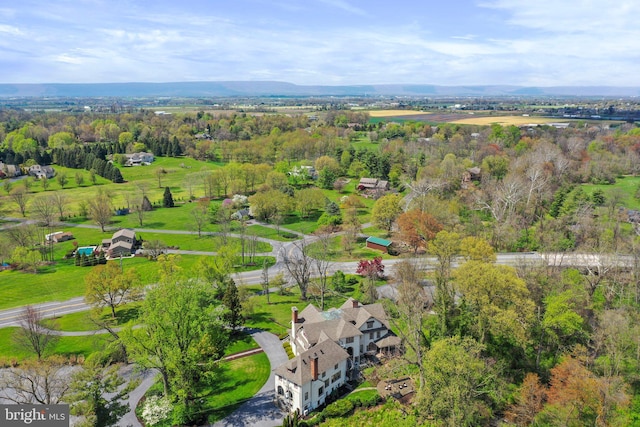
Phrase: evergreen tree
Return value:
(167, 200)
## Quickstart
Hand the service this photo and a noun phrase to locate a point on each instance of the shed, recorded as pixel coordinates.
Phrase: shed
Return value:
(378, 243)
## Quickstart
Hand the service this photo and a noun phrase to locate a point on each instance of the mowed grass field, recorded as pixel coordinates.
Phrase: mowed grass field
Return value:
(175, 171)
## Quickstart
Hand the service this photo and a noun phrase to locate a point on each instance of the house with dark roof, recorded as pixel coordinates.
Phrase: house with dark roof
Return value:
(121, 243)
(373, 184)
(337, 339)
(41, 171)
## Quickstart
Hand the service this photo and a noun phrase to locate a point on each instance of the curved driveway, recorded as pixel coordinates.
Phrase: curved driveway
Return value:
(260, 410)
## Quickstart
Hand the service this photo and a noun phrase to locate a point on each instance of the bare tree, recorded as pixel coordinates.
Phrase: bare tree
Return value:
(140, 214)
(321, 265)
(100, 210)
(298, 265)
(60, 200)
(190, 181)
(501, 197)
(154, 248)
(159, 172)
(43, 382)
(200, 218)
(143, 187)
(32, 335)
(23, 235)
(43, 209)
(20, 197)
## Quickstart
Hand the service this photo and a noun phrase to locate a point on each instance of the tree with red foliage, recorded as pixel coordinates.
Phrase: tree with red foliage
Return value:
(371, 269)
(417, 228)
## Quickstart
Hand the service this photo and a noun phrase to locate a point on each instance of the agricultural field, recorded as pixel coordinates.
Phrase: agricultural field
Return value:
(395, 113)
(506, 120)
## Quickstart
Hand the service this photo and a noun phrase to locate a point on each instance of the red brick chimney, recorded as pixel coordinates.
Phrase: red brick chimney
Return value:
(355, 303)
(314, 367)
(294, 314)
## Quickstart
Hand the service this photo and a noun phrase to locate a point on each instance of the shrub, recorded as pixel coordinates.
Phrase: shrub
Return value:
(339, 408)
(155, 409)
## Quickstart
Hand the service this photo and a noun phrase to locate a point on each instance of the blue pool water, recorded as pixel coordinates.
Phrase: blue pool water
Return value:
(86, 250)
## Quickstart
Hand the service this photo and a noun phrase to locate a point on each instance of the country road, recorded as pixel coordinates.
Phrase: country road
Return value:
(10, 317)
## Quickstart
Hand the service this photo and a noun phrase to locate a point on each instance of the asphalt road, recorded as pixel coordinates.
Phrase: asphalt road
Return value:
(10, 317)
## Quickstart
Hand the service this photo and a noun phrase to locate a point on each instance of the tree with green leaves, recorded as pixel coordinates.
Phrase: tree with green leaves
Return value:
(183, 337)
(97, 395)
(231, 301)
(445, 247)
(461, 387)
(497, 301)
(385, 211)
(62, 179)
(167, 198)
(108, 286)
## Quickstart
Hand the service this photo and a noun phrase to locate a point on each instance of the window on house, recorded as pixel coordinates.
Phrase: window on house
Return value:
(324, 374)
(378, 334)
(370, 324)
(326, 383)
(336, 377)
(370, 335)
(335, 367)
(306, 395)
(349, 340)
(320, 391)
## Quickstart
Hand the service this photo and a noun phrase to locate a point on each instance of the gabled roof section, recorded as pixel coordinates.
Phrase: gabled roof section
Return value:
(379, 241)
(298, 369)
(125, 232)
(310, 314)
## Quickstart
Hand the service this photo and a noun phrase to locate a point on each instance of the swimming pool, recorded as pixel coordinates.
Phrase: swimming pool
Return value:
(86, 250)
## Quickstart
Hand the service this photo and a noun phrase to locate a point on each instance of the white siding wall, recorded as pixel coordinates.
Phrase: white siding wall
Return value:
(372, 334)
(312, 388)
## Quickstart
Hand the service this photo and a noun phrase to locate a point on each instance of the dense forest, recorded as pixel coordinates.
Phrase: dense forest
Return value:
(552, 346)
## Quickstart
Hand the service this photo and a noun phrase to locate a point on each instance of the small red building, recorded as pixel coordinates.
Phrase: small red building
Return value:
(378, 244)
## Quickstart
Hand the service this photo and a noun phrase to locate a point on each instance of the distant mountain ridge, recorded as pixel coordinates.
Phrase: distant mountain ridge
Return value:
(283, 89)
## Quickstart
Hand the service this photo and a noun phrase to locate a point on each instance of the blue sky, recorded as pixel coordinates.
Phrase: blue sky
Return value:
(327, 42)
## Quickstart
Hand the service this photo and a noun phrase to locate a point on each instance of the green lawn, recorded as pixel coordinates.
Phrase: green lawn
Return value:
(81, 321)
(239, 380)
(65, 346)
(176, 170)
(241, 342)
(628, 185)
(63, 280)
(270, 233)
(190, 242)
(336, 253)
(276, 317)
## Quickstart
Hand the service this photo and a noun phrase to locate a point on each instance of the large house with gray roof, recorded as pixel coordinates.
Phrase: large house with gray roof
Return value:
(328, 347)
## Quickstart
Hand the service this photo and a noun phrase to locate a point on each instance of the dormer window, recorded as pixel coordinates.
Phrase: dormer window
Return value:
(370, 324)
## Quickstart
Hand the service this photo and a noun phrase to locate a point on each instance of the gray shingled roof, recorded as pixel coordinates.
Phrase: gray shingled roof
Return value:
(298, 369)
(125, 232)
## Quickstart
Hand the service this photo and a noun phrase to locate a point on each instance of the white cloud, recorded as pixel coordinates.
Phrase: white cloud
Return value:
(9, 29)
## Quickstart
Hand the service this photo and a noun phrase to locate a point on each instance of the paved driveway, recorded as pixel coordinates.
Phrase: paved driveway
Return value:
(260, 410)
